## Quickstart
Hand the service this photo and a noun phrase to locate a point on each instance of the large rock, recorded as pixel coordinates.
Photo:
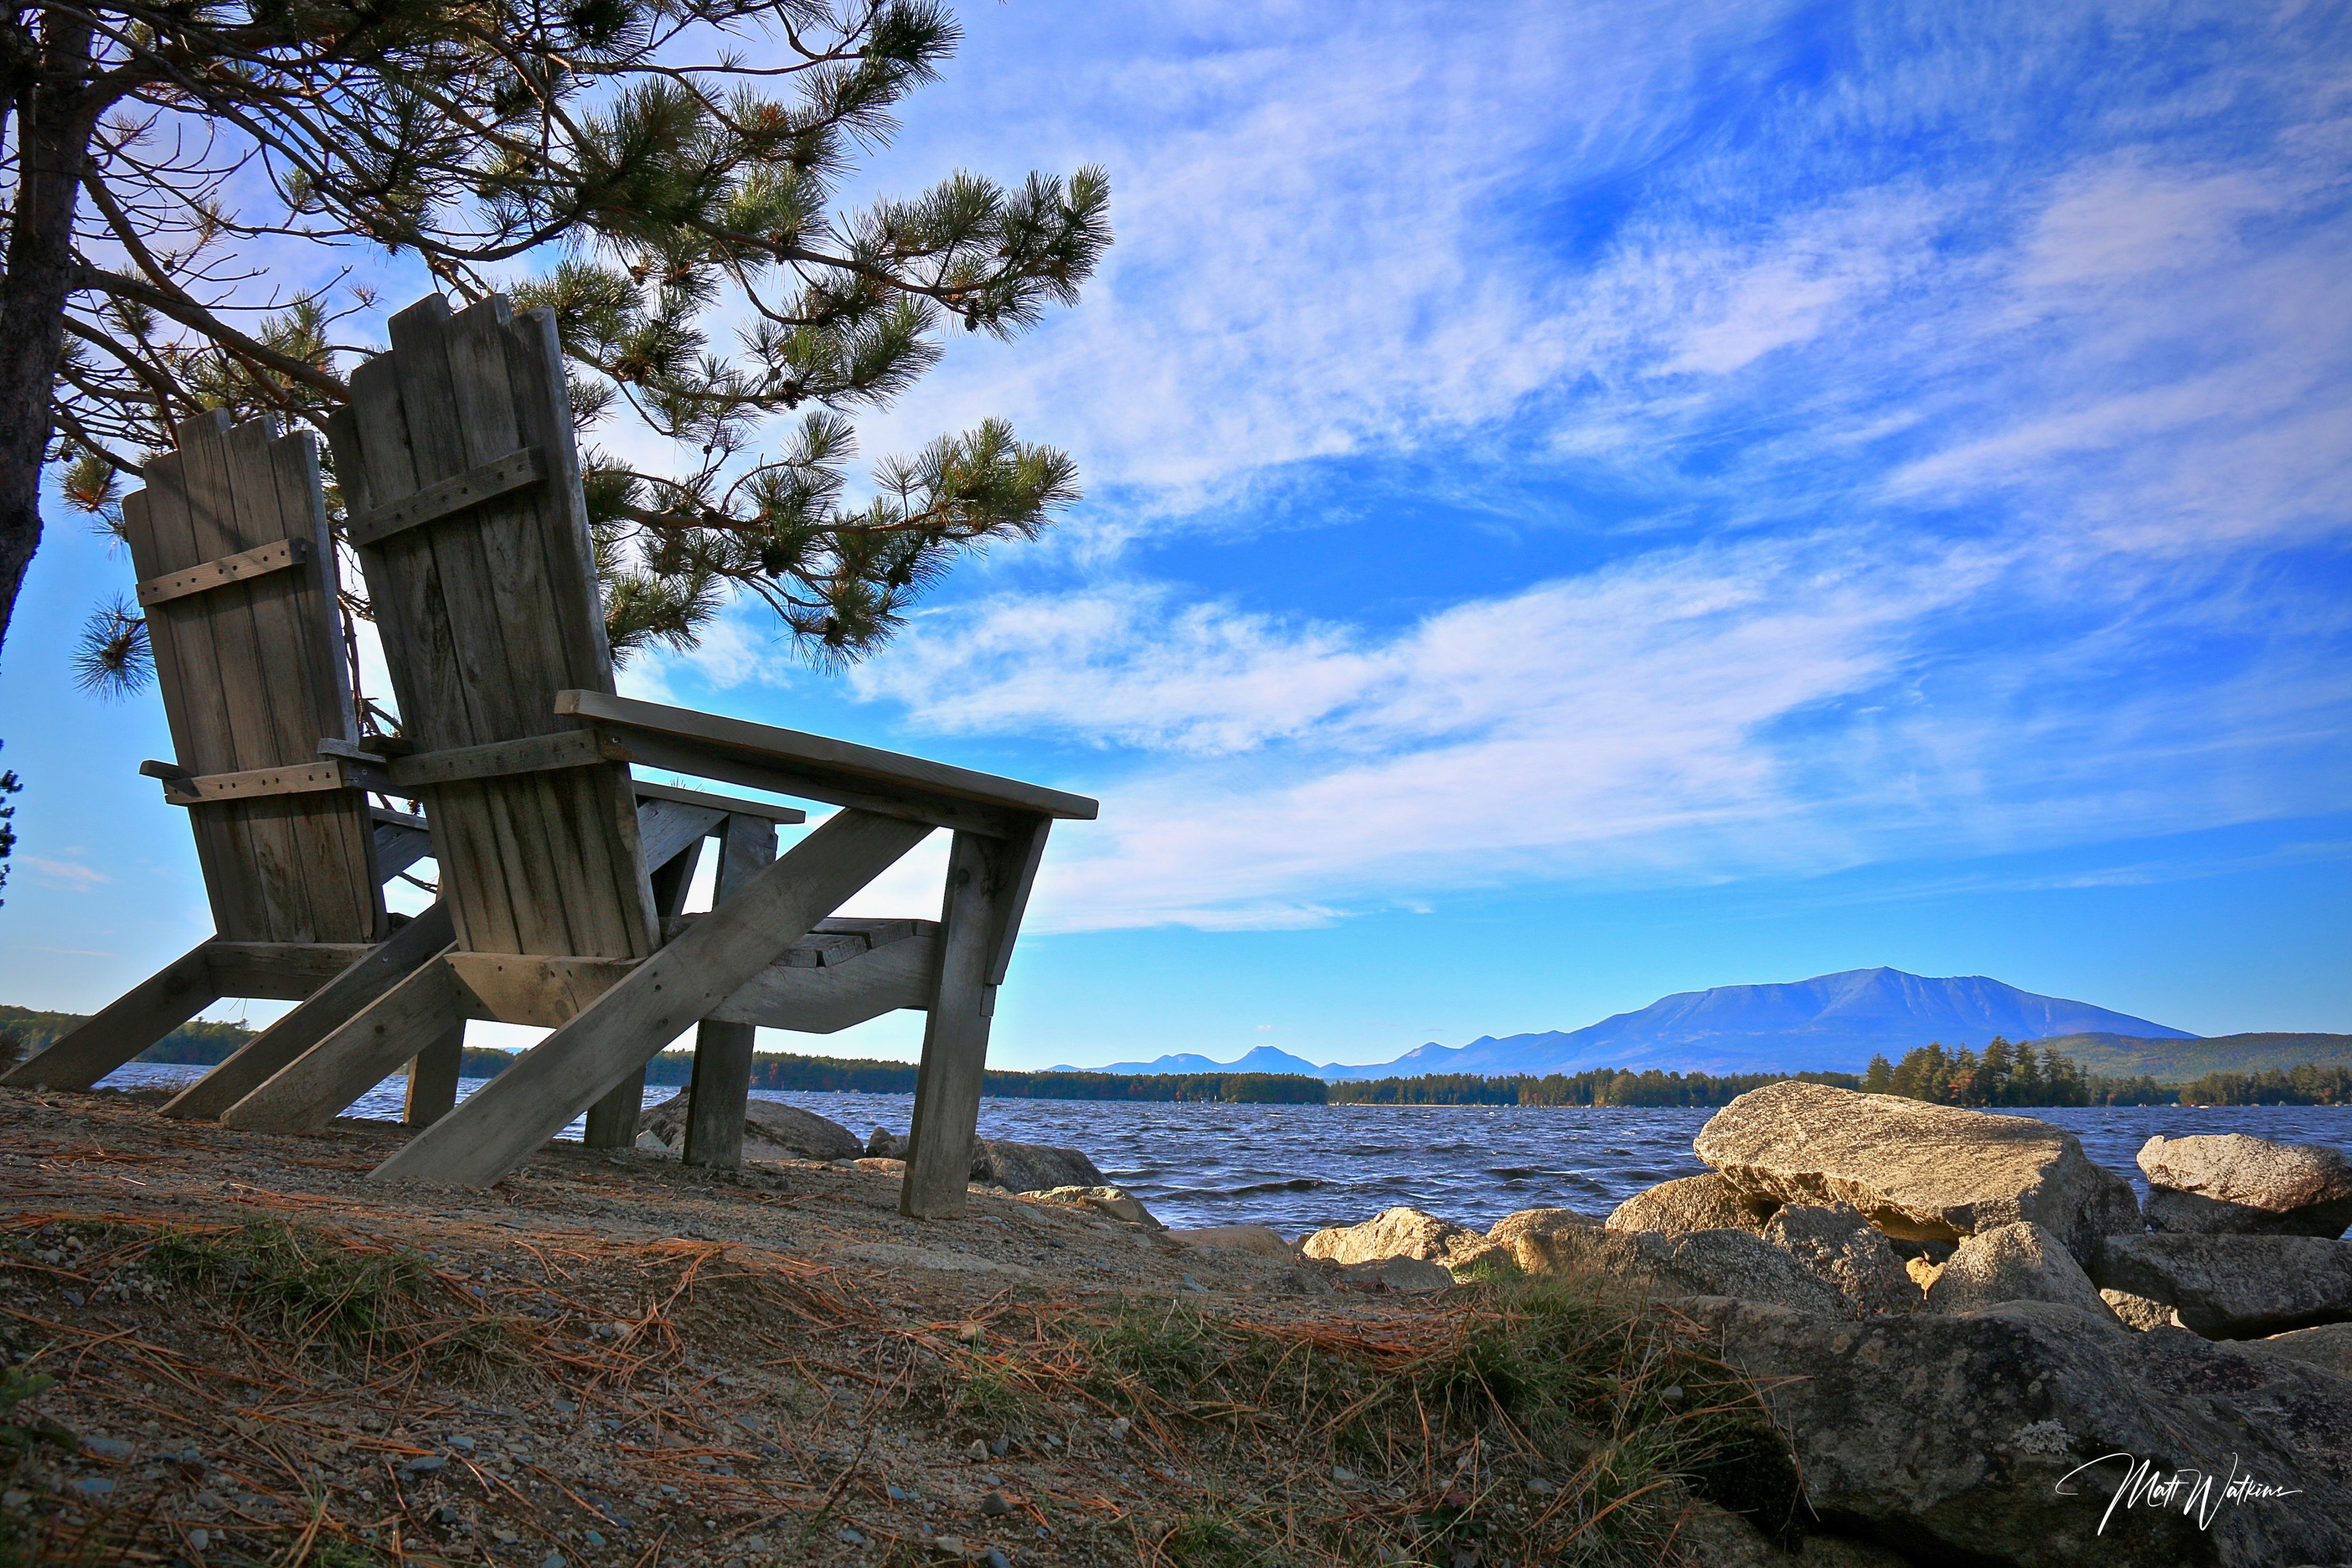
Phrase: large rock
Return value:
(1692, 1203)
(2015, 1263)
(1032, 1167)
(2234, 1184)
(1837, 1245)
(2140, 1312)
(2233, 1287)
(1402, 1233)
(1264, 1240)
(1925, 1172)
(999, 1161)
(1990, 1439)
(1700, 1263)
(2328, 1346)
(1116, 1201)
(772, 1130)
(1506, 1230)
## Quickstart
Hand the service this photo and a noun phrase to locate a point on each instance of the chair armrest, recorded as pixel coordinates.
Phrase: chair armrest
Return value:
(760, 756)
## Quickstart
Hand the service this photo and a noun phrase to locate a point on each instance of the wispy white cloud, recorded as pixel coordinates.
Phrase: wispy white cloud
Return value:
(1971, 393)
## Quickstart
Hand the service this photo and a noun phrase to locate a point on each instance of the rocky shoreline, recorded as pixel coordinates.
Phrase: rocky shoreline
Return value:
(1956, 1311)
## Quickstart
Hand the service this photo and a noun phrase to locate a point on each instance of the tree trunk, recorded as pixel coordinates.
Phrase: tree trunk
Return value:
(53, 129)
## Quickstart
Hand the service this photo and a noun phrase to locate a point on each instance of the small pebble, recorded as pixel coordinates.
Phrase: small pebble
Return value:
(107, 1448)
(997, 1559)
(553, 1560)
(593, 1541)
(995, 1505)
(94, 1486)
(1341, 1474)
(200, 1539)
(851, 1538)
(425, 1465)
(976, 1453)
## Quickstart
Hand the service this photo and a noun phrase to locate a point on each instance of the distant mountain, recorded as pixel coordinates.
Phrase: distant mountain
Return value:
(2173, 1060)
(1831, 1022)
(1264, 1058)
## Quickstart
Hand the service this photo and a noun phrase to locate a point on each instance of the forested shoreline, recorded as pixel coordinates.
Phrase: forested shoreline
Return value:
(2003, 1076)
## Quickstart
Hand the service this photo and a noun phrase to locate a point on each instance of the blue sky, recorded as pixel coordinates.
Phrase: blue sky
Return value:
(1584, 501)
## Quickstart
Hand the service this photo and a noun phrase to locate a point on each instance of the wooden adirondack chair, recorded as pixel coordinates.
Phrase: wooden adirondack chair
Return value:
(238, 579)
(456, 452)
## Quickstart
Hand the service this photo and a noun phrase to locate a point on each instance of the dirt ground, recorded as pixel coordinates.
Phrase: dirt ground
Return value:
(638, 1362)
(262, 1357)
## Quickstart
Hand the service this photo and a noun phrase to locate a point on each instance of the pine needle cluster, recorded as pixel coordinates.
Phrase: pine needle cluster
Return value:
(663, 175)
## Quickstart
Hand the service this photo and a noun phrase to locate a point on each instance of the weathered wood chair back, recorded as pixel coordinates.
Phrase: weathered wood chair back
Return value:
(237, 578)
(484, 624)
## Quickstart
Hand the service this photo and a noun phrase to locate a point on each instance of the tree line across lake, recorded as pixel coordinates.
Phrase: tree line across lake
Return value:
(2002, 1075)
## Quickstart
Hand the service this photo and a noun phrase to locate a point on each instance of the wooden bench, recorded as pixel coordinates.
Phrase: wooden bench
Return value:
(456, 453)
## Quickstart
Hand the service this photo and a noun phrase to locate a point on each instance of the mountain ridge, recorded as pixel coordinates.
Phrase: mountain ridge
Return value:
(1828, 1022)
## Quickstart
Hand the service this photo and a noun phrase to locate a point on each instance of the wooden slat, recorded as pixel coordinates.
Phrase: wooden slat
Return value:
(309, 1091)
(326, 1008)
(228, 569)
(721, 1083)
(499, 759)
(787, 815)
(1018, 863)
(280, 971)
(483, 482)
(955, 1036)
(433, 1080)
(398, 849)
(821, 1000)
(816, 756)
(530, 1102)
(309, 778)
(685, 757)
(532, 989)
(667, 829)
(347, 892)
(124, 1027)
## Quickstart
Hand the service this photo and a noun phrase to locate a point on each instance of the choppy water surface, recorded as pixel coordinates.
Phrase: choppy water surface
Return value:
(1296, 1167)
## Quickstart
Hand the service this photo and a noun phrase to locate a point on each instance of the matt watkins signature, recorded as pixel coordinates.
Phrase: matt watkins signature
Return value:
(2197, 1494)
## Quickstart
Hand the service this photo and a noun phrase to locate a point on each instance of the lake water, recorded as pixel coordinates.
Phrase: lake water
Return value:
(1296, 1167)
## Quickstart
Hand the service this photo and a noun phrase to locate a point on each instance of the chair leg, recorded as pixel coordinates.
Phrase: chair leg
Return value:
(519, 1110)
(124, 1027)
(955, 1039)
(421, 941)
(722, 1052)
(722, 1089)
(433, 1080)
(308, 1092)
(613, 1120)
